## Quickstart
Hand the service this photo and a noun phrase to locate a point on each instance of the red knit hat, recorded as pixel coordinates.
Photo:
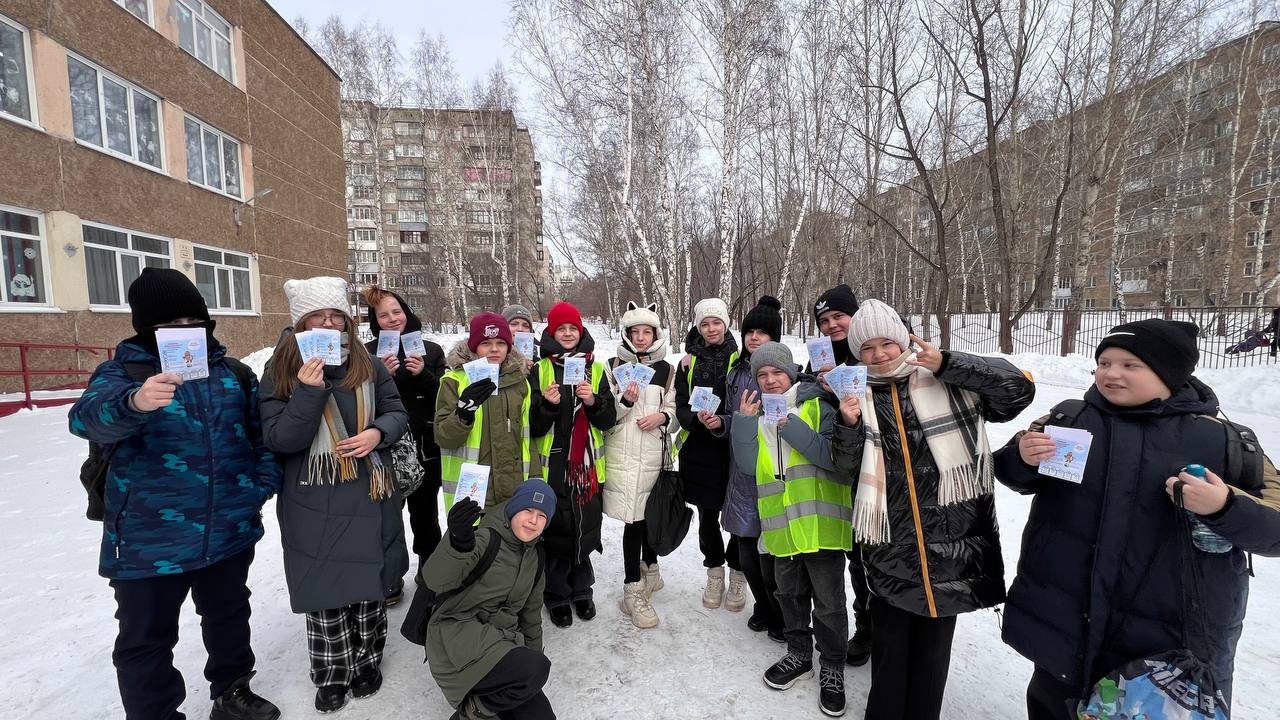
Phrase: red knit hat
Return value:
(562, 313)
(488, 326)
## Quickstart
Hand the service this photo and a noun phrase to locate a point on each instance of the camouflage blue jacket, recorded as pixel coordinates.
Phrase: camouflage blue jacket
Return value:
(187, 482)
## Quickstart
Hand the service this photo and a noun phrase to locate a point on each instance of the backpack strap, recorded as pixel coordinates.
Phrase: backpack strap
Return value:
(1066, 413)
(1244, 456)
(486, 562)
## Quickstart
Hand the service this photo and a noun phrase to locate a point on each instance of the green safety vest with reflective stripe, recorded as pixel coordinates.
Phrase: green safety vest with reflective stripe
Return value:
(802, 509)
(684, 434)
(451, 459)
(547, 376)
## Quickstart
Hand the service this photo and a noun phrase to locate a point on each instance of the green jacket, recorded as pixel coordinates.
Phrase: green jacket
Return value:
(502, 434)
(472, 630)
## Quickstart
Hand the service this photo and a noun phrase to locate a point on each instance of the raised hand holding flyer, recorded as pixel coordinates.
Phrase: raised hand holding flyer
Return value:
(473, 482)
(703, 400)
(575, 371)
(184, 352)
(413, 345)
(775, 407)
(1070, 455)
(481, 369)
(527, 344)
(328, 345)
(388, 343)
(821, 353)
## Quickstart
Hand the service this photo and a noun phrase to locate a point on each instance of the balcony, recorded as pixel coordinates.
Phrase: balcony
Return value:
(1062, 292)
(1133, 286)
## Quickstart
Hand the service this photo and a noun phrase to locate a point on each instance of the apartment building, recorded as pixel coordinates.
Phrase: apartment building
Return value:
(445, 207)
(202, 135)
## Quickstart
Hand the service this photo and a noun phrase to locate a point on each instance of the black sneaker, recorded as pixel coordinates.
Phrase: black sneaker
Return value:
(756, 624)
(778, 635)
(586, 608)
(784, 673)
(363, 687)
(561, 616)
(331, 698)
(831, 692)
(238, 702)
(859, 651)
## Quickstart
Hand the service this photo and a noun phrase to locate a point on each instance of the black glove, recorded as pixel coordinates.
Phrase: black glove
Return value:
(473, 397)
(462, 521)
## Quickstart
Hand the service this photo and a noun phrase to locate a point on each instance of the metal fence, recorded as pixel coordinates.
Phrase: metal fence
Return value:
(1224, 332)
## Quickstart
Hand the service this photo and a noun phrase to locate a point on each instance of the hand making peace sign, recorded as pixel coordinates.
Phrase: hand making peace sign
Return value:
(928, 357)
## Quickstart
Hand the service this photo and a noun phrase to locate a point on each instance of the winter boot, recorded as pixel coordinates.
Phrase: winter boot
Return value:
(736, 599)
(859, 651)
(586, 608)
(713, 596)
(561, 616)
(238, 702)
(784, 673)
(331, 698)
(831, 690)
(635, 605)
(366, 686)
(652, 578)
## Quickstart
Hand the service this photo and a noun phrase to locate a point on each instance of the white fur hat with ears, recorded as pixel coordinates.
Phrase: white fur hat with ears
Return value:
(636, 315)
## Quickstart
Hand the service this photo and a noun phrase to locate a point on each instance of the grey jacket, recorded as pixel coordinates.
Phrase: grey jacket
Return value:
(340, 547)
(814, 446)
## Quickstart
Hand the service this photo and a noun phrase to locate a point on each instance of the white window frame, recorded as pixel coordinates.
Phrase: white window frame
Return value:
(151, 11)
(407, 150)
(132, 89)
(1250, 268)
(142, 255)
(34, 122)
(41, 239)
(199, 9)
(222, 139)
(248, 268)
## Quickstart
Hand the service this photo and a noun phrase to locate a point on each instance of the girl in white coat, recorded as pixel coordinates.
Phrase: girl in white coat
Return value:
(634, 453)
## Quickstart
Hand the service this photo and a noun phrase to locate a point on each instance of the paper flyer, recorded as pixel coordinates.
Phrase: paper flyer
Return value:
(641, 374)
(527, 344)
(184, 352)
(413, 345)
(575, 371)
(328, 345)
(703, 400)
(473, 482)
(481, 369)
(388, 343)
(775, 407)
(622, 376)
(820, 353)
(306, 348)
(847, 380)
(1071, 454)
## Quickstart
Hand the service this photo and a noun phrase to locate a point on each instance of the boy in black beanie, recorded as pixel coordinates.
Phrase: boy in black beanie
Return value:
(1105, 552)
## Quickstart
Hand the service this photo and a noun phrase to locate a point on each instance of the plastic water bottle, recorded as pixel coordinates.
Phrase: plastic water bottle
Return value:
(1204, 538)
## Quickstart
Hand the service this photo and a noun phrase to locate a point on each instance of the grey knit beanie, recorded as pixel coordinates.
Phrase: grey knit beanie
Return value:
(875, 319)
(511, 312)
(772, 354)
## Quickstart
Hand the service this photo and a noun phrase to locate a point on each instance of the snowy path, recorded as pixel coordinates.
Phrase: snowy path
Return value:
(57, 615)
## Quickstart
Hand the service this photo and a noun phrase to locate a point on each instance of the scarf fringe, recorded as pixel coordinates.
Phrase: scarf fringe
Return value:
(326, 466)
(966, 482)
(870, 523)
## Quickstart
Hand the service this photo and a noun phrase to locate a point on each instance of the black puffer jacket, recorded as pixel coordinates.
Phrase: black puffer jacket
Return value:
(417, 392)
(704, 458)
(962, 564)
(1099, 579)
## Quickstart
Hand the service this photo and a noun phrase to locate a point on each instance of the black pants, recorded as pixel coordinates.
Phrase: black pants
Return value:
(858, 579)
(759, 569)
(513, 688)
(1048, 697)
(635, 547)
(910, 658)
(567, 581)
(424, 510)
(148, 609)
(813, 584)
(711, 541)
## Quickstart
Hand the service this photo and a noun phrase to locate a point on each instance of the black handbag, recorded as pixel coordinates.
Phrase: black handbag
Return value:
(666, 516)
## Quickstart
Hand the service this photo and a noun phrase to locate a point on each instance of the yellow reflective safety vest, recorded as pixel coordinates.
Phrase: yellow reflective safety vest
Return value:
(451, 459)
(546, 376)
(802, 508)
(684, 434)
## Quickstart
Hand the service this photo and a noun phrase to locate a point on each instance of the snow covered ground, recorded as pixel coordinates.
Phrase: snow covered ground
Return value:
(698, 663)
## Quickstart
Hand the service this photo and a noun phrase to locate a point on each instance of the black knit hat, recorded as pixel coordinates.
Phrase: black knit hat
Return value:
(161, 295)
(840, 298)
(1168, 346)
(765, 317)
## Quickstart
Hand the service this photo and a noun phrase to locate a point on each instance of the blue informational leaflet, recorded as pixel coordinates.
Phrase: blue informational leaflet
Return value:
(527, 344)
(703, 400)
(847, 380)
(473, 482)
(388, 343)
(821, 354)
(1071, 454)
(575, 371)
(481, 369)
(184, 352)
(775, 407)
(413, 345)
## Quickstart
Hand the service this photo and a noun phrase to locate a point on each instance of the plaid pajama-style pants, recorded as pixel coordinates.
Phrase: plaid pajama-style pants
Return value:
(346, 642)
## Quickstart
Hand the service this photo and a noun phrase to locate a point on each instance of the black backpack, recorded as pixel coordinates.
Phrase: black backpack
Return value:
(93, 471)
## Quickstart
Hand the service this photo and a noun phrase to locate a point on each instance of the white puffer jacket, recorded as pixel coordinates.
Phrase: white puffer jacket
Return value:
(634, 456)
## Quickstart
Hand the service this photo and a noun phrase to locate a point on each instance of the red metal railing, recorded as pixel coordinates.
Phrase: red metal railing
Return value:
(27, 373)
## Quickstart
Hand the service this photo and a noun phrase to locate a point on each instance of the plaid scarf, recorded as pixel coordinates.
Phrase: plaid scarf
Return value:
(325, 465)
(953, 429)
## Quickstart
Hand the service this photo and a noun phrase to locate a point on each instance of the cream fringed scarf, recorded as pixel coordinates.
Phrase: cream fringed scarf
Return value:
(953, 429)
(326, 466)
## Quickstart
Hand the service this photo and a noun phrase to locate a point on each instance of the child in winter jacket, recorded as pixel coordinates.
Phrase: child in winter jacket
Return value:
(475, 425)
(805, 511)
(740, 516)
(519, 319)
(1099, 581)
(704, 456)
(183, 504)
(332, 427)
(924, 508)
(568, 429)
(484, 640)
(636, 450)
